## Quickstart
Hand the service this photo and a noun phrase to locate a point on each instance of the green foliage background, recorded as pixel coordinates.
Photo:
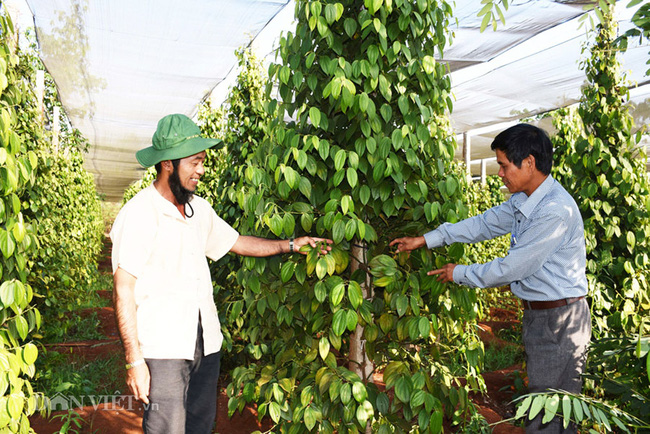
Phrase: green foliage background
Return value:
(599, 161)
(148, 177)
(65, 210)
(479, 198)
(18, 165)
(51, 227)
(246, 123)
(367, 157)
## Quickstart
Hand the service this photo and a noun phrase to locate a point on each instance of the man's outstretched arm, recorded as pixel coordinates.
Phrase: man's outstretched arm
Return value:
(260, 247)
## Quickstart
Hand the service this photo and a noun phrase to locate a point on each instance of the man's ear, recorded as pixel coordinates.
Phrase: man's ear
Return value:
(530, 162)
(167, 165)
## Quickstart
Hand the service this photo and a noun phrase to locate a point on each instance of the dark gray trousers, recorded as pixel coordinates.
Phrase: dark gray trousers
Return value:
(183, 393)
(556, 343)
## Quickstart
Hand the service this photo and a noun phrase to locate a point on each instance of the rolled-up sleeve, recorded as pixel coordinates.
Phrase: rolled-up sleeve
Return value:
(221, 238)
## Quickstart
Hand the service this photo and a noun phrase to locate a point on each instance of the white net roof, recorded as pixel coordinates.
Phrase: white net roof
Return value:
(539, 72)
(121, 65)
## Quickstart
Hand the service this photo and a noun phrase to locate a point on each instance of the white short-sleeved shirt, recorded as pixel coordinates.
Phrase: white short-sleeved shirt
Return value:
(167, 255)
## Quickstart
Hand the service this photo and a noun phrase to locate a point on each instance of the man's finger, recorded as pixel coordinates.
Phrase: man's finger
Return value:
(327, 240)
(142, 394)
(438, 271)
(325, 248)
(138, 393)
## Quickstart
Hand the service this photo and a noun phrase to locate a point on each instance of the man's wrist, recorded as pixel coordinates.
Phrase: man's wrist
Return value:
(291, 245)
(134, 364)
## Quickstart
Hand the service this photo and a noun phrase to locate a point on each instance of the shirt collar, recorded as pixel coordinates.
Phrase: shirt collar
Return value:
(526, 204)
(163, 205)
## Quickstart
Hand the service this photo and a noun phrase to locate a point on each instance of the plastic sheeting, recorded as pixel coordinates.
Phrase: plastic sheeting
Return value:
(121, 65)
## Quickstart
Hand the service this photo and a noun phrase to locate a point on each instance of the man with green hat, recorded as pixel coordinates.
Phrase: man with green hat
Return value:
(162, 287)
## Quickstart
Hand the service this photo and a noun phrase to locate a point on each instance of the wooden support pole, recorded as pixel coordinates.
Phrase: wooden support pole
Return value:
(359, 361)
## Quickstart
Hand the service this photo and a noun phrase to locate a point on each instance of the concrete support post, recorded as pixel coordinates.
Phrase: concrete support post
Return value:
(467, 154)
(483, 171)
(40, 92)
(56, 128)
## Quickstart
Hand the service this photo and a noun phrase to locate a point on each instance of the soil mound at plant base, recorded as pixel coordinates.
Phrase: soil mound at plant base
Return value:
(496, 405)
(500, 314)
(488, 330)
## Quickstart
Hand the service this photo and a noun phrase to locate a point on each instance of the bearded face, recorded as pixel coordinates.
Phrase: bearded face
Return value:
(182, 194)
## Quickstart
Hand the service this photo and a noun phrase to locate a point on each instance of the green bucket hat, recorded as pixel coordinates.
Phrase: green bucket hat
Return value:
(177, 136)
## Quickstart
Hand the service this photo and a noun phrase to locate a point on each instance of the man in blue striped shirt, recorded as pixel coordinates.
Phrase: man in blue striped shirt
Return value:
(545, 265)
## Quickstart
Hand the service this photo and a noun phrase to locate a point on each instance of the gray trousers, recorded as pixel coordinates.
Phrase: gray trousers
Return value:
(183, 393)
(556, 343)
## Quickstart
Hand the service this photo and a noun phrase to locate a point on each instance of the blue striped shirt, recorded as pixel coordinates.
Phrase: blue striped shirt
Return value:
(547, 257)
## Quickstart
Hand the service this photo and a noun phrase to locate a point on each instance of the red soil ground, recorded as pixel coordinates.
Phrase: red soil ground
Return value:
(125, 417)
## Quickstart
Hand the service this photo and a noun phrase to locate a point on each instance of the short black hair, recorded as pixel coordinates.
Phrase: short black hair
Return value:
(522, 140)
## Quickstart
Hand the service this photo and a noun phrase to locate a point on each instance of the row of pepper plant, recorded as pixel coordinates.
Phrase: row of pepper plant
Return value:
(18, 317)
(50, 226)
(65, 203)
